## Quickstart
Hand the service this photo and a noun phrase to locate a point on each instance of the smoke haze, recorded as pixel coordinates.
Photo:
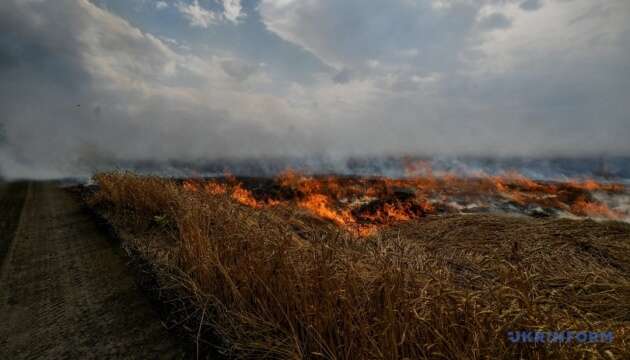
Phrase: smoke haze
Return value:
(97, 84)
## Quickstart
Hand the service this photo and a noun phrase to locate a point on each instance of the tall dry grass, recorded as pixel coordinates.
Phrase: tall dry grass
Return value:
(274, 284)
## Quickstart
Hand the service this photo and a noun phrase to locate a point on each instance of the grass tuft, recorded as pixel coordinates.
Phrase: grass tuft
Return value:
(278, 284)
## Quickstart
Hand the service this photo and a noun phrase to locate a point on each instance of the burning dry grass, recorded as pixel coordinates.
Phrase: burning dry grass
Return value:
(278, 283)
(363, 205)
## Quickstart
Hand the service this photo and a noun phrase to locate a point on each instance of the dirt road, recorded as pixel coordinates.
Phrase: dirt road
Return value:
(64, 292)
(11, 201)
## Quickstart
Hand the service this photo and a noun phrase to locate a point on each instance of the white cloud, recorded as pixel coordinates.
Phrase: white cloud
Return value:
(534, 83)
(232, 10)
(565, 32)
(343, 34)
(197, 15)
(160, 5)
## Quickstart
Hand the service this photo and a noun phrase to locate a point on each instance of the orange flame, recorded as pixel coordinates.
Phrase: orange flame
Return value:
(363, 205)
(319, 204)
(244, 197)
(583, 207)
(214, 188)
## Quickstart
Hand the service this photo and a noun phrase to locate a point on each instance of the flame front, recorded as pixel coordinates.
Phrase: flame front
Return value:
(364, 204)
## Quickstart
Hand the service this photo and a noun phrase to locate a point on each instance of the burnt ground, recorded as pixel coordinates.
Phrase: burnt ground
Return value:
(64, 291)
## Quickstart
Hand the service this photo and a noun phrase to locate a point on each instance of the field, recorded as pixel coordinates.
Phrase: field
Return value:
(295, 275)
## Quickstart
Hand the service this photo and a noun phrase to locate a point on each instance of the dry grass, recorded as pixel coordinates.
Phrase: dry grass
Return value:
(275, 283)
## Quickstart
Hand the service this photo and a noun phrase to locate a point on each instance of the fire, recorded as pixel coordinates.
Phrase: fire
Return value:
(244, 197)
(390, 212)
(519, 179)
(191, 186)
(592, 185)
(238, 193)
(583, 207)
(364, 205)
(319, 204)
(215, 188)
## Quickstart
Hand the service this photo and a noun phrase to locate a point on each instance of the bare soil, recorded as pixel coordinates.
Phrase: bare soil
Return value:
(64, 291)
(11, 201)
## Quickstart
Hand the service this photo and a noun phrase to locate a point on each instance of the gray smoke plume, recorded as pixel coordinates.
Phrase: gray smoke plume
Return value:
(83, 89)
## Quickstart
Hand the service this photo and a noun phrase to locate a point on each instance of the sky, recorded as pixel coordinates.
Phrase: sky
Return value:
(88, 82)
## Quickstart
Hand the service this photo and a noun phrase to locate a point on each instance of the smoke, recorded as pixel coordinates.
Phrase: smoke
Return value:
(83, 89)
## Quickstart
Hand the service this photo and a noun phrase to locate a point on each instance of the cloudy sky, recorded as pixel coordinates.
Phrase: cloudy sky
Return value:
(84, 81)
